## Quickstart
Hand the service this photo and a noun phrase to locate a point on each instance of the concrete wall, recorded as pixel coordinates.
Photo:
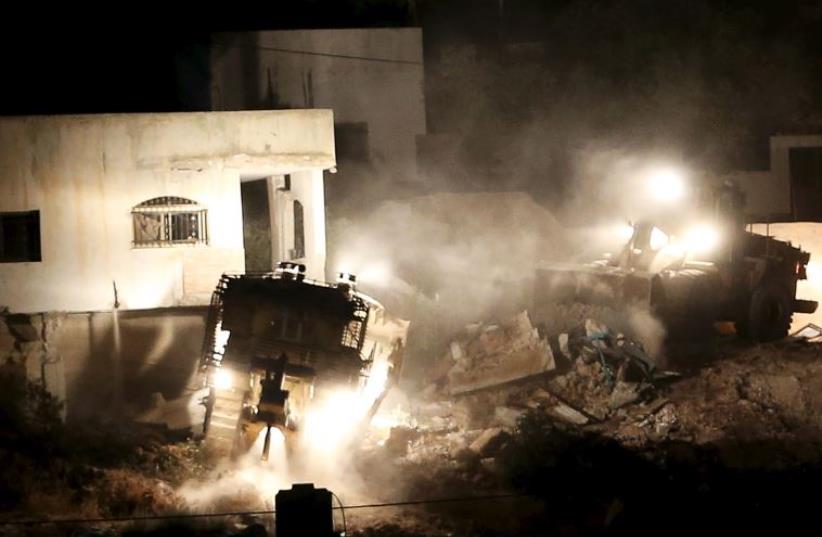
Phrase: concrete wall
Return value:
(769, 191)
(307, 188)
(332, 69)
(106, 366)
(781, 168)
(86, 173)
(764, 196)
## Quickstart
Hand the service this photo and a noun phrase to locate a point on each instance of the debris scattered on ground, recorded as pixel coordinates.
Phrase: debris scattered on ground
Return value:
(489, 355)
(810, 332)
(605, 383)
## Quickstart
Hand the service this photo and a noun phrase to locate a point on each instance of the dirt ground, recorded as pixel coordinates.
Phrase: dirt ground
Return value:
(733, 442)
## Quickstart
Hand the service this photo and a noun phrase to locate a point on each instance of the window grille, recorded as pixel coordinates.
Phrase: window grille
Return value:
(169, 221)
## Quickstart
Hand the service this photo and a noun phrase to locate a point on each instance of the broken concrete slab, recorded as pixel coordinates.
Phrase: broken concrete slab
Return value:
(507, 368)
(568, 414)
(499, 354)
(489, 442)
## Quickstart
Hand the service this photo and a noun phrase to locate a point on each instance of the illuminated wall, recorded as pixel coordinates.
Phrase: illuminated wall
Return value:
(372, 78)
(85, 175)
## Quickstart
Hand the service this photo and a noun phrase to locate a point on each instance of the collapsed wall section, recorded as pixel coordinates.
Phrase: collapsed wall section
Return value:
(106, 365)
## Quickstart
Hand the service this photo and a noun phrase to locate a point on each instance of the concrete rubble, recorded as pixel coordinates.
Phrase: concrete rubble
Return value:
(493, 354)
(494, 374)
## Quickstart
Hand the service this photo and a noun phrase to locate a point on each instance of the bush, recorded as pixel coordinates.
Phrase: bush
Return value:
(30, 420)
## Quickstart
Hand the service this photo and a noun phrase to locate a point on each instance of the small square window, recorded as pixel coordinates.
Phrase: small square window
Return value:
(20, 237)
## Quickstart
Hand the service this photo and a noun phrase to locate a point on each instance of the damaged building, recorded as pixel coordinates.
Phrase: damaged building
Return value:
(372, 78)
(116, 228)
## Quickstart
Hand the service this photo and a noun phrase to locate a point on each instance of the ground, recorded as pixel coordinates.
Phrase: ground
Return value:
(732, 443)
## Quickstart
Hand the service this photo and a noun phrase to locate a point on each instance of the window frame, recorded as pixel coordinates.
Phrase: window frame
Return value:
(33, 243)
(163, 210)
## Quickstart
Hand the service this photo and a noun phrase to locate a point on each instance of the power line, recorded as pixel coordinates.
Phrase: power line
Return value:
(327, 54)
(140, 518)
(435, 500)
(113, 520)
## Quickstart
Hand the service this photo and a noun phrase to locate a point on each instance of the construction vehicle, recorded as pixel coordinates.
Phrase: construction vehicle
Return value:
(689, 274)
(275, 342)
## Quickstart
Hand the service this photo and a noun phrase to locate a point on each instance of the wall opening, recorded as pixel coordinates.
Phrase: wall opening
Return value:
(299, 232)
(352, 141)
(806, 183)
(256, 225)
(20, 237)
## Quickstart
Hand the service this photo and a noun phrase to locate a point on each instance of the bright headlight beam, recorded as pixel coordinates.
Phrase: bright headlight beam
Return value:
(222, 379)
(666, 185)
(702, 239)
(658, 239)
(625, 232)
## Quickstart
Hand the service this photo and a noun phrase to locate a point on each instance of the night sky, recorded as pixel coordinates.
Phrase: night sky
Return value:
(143, 58)
(715, 78)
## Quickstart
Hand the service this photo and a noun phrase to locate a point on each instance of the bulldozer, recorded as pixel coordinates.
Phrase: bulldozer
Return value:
(699, 266)
(276, 342)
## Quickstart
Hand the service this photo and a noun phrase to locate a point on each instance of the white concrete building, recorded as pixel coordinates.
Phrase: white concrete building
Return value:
(146, 209)
(372, 78)
(791, 189)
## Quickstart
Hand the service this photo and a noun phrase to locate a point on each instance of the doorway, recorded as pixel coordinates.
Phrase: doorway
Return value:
(806, 183)
(256, 225)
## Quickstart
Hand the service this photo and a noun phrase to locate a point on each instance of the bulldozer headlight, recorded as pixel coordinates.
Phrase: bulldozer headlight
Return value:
(625, 231)
(666, 185)
(222, 379)
(658, 240)
(702, 239)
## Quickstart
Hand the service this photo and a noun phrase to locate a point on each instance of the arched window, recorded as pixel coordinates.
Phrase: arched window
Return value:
(169, 221)
(299, 232)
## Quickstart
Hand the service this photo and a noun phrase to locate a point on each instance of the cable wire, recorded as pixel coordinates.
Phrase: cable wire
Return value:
(113, 520)
(324, 54)
(138, 518)
(342, 510)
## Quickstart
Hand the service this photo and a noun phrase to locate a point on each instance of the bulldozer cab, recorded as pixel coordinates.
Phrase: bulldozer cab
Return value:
(699, 265)
(269, 315)
(272, 339)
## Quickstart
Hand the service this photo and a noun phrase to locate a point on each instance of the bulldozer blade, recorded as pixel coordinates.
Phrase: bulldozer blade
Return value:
(604, 286)
(805, 306)
(267, 443)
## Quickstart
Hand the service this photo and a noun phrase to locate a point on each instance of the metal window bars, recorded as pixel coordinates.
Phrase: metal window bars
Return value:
(169, 221)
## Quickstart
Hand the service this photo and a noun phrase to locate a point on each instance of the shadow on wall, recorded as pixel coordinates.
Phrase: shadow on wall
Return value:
(113, 365)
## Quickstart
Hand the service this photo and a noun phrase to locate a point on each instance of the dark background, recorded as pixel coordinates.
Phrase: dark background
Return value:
(713, 79)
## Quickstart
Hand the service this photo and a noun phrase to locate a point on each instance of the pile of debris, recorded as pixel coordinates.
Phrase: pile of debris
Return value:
(590, 367)
(493, 374)
(491, 355)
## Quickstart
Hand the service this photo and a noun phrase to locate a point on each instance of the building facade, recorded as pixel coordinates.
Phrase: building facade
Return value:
(372, 78)
(115, 229)
(137, 211)
(791, 189)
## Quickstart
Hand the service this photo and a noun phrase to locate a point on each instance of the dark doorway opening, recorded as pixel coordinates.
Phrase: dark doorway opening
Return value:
(256, 225)
(806, 183)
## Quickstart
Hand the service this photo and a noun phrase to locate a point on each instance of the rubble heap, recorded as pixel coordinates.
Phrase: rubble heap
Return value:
(490, 355)
(492, 374)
